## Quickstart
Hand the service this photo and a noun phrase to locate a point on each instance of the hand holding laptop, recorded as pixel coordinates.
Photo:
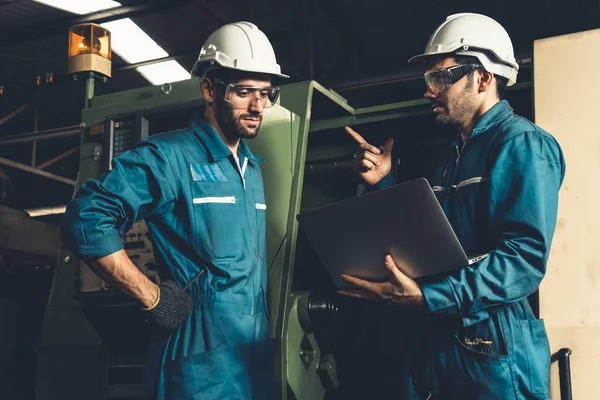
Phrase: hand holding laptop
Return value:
(399, 289)
(372, 164)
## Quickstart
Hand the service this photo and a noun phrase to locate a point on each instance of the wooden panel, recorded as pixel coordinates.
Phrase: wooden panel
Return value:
(566, 101)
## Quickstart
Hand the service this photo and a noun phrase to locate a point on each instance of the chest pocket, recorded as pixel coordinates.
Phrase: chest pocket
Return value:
(216, 213)
(261, 209)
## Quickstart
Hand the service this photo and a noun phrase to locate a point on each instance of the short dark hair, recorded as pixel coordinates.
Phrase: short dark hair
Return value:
(501, 84)
(213, 74)
(225, 75)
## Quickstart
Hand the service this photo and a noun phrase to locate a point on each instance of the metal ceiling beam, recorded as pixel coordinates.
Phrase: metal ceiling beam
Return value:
(58, 158)
(27, 168)
(61, 26)
(72, 130)
(15, 113)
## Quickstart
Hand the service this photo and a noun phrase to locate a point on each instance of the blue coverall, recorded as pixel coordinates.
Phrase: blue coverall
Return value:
(199, 204)
(478, 338)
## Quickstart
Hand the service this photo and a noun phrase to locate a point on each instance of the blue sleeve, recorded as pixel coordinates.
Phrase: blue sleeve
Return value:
(141, 184)
(526, 175)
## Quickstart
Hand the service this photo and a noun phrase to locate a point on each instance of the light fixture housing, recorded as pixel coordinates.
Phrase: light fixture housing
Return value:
(90, 50)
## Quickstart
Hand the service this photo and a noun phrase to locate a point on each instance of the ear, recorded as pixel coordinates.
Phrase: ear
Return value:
(208, 90)
(485, 80)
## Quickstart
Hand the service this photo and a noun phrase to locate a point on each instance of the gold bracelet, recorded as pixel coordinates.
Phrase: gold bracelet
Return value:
(155, 302)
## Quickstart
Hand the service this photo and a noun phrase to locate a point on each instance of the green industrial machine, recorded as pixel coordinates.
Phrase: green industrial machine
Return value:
(93, 339)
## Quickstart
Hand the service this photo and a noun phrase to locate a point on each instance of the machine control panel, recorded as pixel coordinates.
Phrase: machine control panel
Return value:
(121, 134)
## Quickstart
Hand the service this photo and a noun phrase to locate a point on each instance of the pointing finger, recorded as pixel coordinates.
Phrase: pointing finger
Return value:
(355, 135)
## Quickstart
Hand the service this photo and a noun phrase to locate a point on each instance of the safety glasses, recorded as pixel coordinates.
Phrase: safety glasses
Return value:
(241, 96)
(443, 78)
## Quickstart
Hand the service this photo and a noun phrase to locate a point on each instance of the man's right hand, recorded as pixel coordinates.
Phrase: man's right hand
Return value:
(167, 304)
(372, 163)
(172, 307)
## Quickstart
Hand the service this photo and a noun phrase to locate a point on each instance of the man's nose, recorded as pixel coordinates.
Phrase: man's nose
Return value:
(430, 94)
(257, 105)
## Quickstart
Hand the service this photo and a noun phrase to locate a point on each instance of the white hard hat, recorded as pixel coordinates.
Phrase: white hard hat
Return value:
(469, 34)
(239, 46)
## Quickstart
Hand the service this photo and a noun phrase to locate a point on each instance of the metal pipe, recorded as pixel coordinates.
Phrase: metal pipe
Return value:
(73, 130)
(57, 158)
(15, 113)
(33, 154)
(35, 171)
(36, 119)
(377, 81)
(311, 42)
(89, 90)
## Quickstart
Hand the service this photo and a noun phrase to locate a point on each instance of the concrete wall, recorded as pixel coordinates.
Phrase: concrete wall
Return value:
(567, 104)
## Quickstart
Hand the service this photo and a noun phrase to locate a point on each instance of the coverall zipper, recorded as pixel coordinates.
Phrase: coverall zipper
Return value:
(252, 233)
(242, 171)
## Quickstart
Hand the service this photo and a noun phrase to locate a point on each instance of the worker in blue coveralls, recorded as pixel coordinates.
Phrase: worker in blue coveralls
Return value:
(200, 191)
(473, 334)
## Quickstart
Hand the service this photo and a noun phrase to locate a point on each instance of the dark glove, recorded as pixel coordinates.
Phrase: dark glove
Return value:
(173, 306)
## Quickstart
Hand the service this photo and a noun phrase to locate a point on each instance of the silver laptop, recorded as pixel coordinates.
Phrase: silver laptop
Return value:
(406, 221)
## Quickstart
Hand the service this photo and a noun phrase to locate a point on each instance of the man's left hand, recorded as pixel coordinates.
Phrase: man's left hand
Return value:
(399, 289)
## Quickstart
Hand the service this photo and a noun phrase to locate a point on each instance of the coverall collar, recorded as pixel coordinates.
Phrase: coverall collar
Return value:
(493, 116)
(215, 144)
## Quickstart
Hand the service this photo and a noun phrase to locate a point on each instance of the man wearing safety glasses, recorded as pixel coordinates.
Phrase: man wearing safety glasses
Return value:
(200, 191)
(473, 334)
(236, 101)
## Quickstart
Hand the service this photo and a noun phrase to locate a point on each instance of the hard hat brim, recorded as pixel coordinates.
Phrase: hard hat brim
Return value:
(420, 58)
(200, 69)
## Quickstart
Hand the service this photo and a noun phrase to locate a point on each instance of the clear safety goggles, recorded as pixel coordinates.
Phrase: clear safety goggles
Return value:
(443, 78)
(242, 96)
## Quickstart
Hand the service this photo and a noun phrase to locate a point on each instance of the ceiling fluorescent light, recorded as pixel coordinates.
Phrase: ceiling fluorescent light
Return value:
(163, 72)
(80, 6)
(131, 43)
